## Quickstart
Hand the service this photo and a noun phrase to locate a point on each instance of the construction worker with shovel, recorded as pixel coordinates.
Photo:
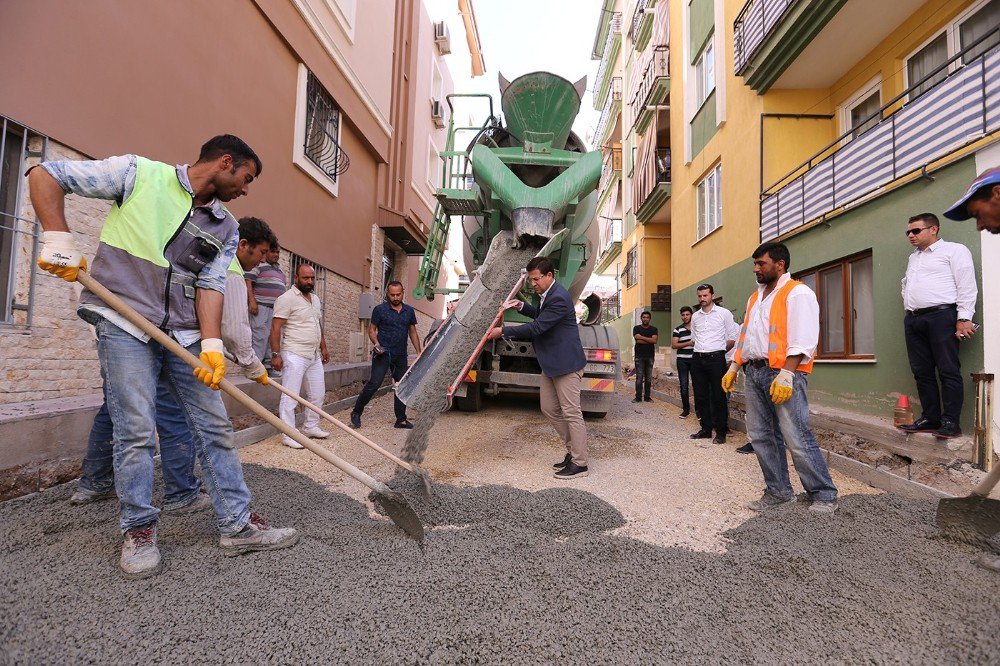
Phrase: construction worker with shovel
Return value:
(164, 250)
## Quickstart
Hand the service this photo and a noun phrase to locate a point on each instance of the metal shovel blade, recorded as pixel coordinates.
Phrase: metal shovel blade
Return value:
(395, 506)
(972, 519)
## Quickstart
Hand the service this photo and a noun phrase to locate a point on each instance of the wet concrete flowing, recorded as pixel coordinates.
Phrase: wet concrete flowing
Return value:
(507, 576)
(458, 338)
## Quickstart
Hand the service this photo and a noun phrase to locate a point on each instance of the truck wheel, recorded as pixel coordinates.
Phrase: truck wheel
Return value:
(473, 401)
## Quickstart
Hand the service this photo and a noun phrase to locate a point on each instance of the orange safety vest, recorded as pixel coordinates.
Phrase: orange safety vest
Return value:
(777, 346)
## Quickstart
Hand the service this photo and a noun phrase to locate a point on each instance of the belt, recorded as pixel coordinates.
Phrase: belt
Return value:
(712, 353)
(757, 363)
(933, 308)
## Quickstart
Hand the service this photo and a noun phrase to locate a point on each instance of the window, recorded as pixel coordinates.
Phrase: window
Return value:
(961, 34)
(862, 111)
(317, 149)
(710, 202)
(294, 261)
(16, 233)
(433, 167)
(630, 274)
(846, 307)
(705, 73)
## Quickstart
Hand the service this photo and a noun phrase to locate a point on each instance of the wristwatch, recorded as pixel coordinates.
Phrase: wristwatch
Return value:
(963, 320)
(275, 354)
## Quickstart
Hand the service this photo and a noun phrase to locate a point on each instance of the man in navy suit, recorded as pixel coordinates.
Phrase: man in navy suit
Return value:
(556, 339)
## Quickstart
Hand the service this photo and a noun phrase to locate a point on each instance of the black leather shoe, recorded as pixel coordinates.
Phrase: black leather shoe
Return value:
(647, 399)
(562, 463)
(920, 425)
(684, 415)
(746, 448)
(636, 400)
(702, 434)
(403, 424)
(720, 439)
(948, 430)
(355, 420)
(571, 471)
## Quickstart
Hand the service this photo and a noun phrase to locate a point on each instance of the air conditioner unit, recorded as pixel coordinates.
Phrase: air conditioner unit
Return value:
(437, 112)
(442, 38)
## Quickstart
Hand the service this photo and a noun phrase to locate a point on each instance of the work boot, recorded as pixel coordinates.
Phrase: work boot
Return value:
(291, 443)
(571, 471)
(824, 506)
(140, 555)
(768, 501)
(84, 496)
(258, 535)
(562, 463)
(948, 430)
(702, 434)
(316, 433)
(200, 502)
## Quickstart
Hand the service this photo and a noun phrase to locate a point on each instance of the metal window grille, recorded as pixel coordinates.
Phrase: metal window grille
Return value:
(294, 261)
(322, 136)
(630, 274)
(19, 236)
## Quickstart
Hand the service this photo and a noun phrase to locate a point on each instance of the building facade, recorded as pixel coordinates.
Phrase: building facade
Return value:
(338, 97)
(826, 125)
(632, 89)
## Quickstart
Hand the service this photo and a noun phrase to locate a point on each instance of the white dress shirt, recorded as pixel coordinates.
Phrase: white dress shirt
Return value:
(941, 274)
(803, 322)
(712, 330)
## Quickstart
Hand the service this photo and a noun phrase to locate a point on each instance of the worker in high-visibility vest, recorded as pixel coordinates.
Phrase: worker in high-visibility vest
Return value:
(775, 350)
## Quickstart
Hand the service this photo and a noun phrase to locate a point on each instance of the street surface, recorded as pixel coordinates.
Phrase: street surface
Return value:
(651, 559)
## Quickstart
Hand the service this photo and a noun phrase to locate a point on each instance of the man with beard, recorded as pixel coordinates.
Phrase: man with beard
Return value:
(298, 350)
(777, 342)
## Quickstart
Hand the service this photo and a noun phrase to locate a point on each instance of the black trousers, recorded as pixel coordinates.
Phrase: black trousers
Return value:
(932, 346)
(710, 400)
(381, 364)
(683, 374)
(643, 377)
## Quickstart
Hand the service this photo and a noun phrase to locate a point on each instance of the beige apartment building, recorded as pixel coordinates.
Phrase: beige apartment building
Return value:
(342, 100)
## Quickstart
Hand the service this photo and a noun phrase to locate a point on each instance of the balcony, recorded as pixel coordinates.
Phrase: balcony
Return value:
(652, 86)
(642, 23)
(612, 171)
(609, 116)
(651, 186)
(612, 47)
(900, 142)
(611, 239)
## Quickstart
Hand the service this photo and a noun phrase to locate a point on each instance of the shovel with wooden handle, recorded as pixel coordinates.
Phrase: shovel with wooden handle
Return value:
(424, 478)
(975, 518)
(392, 502)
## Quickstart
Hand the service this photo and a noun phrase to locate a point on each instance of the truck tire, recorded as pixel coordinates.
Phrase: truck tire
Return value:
(473, 401)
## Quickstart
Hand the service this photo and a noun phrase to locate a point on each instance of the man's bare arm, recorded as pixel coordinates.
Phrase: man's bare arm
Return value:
(208, 306)
(48, 200)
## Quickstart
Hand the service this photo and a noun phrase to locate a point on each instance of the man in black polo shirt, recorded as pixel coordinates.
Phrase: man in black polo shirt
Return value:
(645, 351)
(391, 323)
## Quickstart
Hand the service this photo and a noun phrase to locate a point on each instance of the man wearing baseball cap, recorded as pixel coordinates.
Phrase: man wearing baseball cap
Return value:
(981, 201)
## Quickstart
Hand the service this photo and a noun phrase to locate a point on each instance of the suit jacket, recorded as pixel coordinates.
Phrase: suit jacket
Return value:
(553, 332)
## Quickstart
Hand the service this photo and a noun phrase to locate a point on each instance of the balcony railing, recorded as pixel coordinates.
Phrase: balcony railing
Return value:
(612, 167)
(640, 19)
(611, 49)
(960, 110)
(651, 86)
(612, 107)
(752, 26)
(651, 173)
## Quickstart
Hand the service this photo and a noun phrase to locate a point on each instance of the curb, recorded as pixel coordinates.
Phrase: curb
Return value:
(876, 478)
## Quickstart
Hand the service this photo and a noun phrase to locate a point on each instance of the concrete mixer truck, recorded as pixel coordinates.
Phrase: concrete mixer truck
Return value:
(526, 181)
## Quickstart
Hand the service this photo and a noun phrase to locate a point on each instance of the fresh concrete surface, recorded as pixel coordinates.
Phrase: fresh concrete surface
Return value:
(651, 559)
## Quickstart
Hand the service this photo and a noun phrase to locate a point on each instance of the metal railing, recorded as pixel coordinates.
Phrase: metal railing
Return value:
(17, 279)
(752, 26)
(612, 107)
(961, 109)
(603, 69)
(658, 67)
(612, 165)
(610, 309)
(641, 7)
(322, 135)
(652, 171)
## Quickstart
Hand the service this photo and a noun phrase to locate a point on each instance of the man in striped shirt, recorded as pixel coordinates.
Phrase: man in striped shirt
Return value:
(681, 341)
(264, 284)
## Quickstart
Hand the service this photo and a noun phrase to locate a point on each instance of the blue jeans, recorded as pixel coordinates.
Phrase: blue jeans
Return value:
(177, 453)
(134, 372)
(381, 364)
(772, 428)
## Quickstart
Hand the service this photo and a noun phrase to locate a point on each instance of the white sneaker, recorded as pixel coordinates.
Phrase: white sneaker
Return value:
(291, 443)
(258, 535)
(315, 432)
(140, 554)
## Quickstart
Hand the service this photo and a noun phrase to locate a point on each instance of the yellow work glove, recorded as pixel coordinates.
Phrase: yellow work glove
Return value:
(257, 372)
(781, 387)
(212, 355)
(729, 379)
(60, 256)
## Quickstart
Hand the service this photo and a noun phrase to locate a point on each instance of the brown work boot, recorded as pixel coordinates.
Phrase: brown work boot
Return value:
(258, 535)
(140, 554)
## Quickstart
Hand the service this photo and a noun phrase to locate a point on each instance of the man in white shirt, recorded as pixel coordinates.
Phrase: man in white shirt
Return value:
(298, 350)
(775, 350)
(939, 295)
(714, 332)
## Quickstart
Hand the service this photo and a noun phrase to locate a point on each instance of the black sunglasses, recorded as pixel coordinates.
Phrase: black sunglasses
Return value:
(914, 232)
